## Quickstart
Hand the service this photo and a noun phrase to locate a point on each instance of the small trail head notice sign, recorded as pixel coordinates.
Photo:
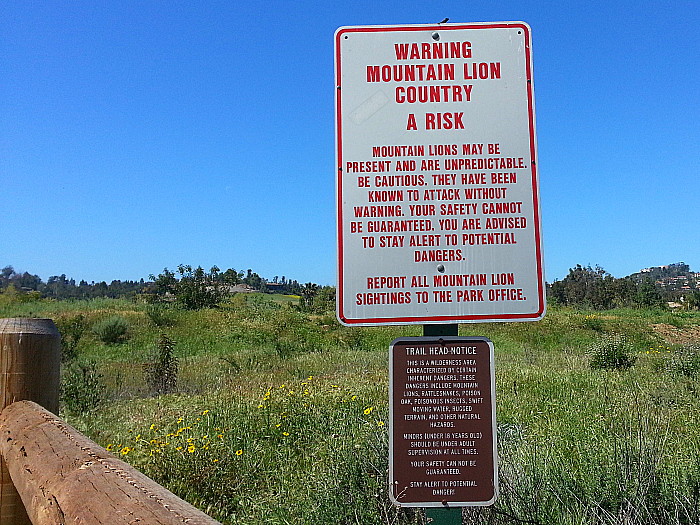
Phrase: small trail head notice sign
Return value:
(437, 193)
(442, 439)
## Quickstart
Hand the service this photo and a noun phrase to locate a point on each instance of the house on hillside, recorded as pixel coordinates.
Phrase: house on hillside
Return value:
(241, 288)
(275, 287)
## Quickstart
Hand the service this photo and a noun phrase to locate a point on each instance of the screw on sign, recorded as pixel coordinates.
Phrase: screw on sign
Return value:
(442, 437)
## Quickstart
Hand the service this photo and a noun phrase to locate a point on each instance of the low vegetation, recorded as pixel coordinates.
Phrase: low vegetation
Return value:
(264, 410)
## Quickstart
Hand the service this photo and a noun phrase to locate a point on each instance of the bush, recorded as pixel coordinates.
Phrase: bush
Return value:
(71, 330)
(593, 322)
(12, 296)
(111, 330)
(675, 320)
(612, 352)
(161, 371)
(81, 389)
(160, 315)
(685, 361)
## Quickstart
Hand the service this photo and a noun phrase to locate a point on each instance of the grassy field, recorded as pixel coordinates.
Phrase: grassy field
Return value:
(280, 416)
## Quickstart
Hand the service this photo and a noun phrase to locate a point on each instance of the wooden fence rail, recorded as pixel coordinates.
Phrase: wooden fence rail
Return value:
(60, 475)
(63, 477)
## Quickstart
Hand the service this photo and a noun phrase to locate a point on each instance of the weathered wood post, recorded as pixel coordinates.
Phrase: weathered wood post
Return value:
(30, 361)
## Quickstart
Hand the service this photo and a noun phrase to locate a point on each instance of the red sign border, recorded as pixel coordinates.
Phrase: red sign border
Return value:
(481, 318)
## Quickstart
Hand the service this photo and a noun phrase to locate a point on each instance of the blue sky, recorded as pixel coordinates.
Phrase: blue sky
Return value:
(140, 135)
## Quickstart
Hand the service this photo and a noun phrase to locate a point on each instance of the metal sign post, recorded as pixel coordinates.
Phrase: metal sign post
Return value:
(438, 223)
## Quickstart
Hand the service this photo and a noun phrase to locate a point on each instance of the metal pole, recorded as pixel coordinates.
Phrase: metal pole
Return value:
(436, 515)
(435, 330)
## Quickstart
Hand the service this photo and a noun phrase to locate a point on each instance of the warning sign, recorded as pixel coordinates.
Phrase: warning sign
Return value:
(437, 186)
(442, 438)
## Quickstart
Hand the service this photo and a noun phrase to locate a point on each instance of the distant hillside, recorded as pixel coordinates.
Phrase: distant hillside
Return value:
(62, 287)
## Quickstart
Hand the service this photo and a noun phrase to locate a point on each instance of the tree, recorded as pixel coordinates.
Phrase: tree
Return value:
(325, 299)
(577, 287)
(255, 281)
(165, 282)
(692, 300)
(7, 272)
(195, 289)
(199, 289)
(594, 288)
(308, 292)
(231, 276)
(649, 296)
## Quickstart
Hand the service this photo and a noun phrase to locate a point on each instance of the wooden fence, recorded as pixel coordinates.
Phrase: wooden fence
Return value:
(49, 472)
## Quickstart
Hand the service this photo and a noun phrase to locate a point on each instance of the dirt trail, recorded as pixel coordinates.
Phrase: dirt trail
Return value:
(681, 336)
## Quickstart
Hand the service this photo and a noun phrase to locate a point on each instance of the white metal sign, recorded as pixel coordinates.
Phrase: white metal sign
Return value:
(437, 185)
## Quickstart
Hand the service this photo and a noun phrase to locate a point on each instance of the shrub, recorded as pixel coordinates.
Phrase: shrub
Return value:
(111, 330)
(161, 371)
(71, 330)
(13, 296)
(81, 389)
(675, 320)
(160, 315)
(612, 352)
(593, 322)
(685, 361)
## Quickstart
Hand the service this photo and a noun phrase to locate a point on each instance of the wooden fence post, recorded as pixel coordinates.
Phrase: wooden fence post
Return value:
(30, 362)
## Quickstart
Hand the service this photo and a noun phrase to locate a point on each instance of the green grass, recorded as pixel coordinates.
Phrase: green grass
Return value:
(281, 416)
